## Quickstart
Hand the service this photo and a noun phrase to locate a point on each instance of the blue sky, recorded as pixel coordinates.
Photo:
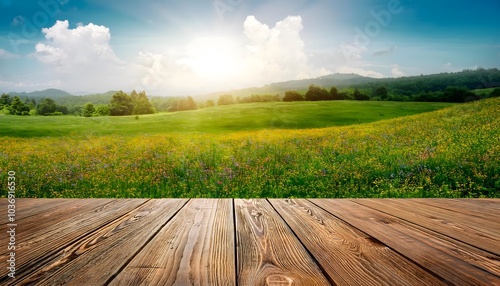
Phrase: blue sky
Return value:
(193, 47)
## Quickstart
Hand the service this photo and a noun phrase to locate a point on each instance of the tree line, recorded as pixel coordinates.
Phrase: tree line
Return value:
(15, 106)
(449, 94)
(135, 103)
(444, 87)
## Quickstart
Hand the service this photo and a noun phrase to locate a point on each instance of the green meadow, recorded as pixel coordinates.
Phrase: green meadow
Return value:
(217, 119)
(321, 149)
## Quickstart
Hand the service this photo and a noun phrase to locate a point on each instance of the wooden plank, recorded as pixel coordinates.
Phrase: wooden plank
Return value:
(484, 234)
(53, 214)
(27, 201)
(195, 248)
(36, 247)
(30, 207)
(456, 262)
(268, 251)
(492, 204)
(348, 256)
(484, 209)
(3, 203)
(97, 257)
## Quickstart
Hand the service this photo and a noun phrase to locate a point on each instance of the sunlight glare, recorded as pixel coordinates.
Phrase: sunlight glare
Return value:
(212, 57)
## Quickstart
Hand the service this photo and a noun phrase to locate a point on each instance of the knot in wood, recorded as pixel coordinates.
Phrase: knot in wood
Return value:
(256, 213)
(278, 279)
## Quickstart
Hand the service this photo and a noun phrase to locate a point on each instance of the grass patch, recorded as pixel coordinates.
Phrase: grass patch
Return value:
(483, 91)
(453, 152)
(218, 119)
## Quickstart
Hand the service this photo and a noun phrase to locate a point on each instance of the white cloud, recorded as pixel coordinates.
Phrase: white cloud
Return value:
(278, 53)
(396, 71)
(84, 45)
(25, 85)
(81, 58)
(156, 71)
(360, 71)
(447, 65)
(7, 55)
(214, 63)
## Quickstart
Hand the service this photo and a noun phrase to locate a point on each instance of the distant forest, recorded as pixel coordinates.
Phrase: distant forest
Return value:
(467, 85)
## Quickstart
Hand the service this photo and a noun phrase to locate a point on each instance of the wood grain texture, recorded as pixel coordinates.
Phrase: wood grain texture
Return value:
(97, 257)
(53, 212)
(56, 213)
(26, 208)
(460, 224)
(268, 252)
(453, 261)
(347, 255)
(476, 211)
(34, 247)
(254, 242)
(195, 248)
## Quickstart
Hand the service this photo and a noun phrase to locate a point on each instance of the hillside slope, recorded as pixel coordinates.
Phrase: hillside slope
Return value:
(454, 152)
(218, 119)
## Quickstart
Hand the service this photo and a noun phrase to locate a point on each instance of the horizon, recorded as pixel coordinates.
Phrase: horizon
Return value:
(175, 49)
(220, 92)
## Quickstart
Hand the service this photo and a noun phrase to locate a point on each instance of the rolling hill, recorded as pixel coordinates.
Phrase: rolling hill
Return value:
(452, 153)
(218, 119)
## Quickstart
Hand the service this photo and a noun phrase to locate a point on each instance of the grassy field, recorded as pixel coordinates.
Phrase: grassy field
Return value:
(452, 152)
(218, 119)
(483, 91)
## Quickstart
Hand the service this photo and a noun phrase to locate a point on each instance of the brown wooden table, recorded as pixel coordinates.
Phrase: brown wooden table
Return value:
(253, 242)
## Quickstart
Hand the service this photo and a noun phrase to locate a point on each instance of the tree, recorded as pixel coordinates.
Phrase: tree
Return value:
(141, 103)
(47, 107)
(335, 94)
(358, 95)
(225, 99)
(381, 92)
(101, 110)
(77, 110)
(5, 100)
(259, 98)
(189, 104)
(62, 109)
(209, 103)
(17, 107)
(32, 103)
(316, 93)
(88, 109)
(345, 95)
(495, 92)
(121, 104)
(134, 95)
(183, 104)
(457, 94)
(292, 95)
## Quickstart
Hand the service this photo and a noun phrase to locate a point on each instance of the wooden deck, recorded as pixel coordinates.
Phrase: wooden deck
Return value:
(254, 242)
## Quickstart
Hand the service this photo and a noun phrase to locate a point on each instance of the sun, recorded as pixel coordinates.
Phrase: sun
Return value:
(212, 57)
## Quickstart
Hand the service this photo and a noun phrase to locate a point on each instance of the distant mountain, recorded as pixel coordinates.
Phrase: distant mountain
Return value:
(51, 92)
(74, 100)
(337, 80)
(62, 97)
(403, 86)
